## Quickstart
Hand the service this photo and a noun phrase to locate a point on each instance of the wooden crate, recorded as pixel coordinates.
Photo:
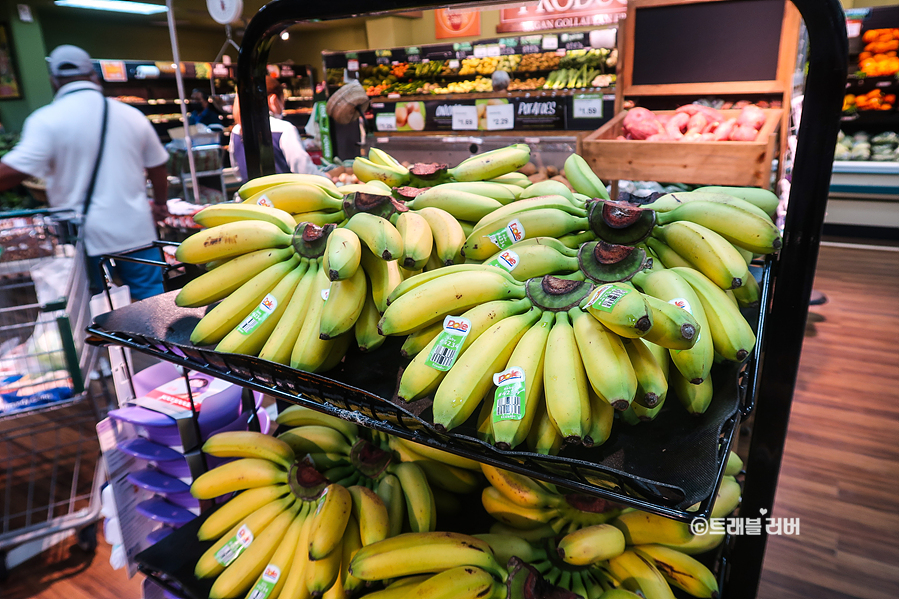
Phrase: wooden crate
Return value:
(741, 163)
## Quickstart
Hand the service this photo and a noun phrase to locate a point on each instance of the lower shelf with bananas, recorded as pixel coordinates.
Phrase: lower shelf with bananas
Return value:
(328, 510)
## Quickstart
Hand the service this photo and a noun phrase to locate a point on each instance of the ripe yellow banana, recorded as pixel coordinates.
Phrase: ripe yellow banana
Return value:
(246, 473)
(366, 330)
(672, 326)
(250, 336)
(296, 198)
(420, 339)
(392, 175)
(642, 528)
(352, 543)
(621, 309)
(591, 544)
(534, 258)
(322, 574)
(282, 339)
(513, 514)
(419, 498)
(344, 305)
(695, 398)
(503, 215)
(500, 192)
(247, 444)
(219, 214)
(506, 546)
(605, 359)
(565, 382)
(315, 438)
(460, 392)
(230, 240)
(728, 497)
(437, 455)
(637, 575)
(667, 256)
(378, 234)
(495, 235)
(461, 582)
(543, 437)
(275, 573)
(342, 255)
(417, 240)
(707, 251)
(383, 277)
(762, 198)
(742, 228)
(489, 165)
(371, 514)
(601, 417)
(225, 279)
(303, 416)
(520, 489)
(462, 205)
(419, 279)
(295, 582)
(329, 521)
(219, 321)
(251, 188)
(390, 490)
(310, 351)
(237, 508)
(652, 384)
(443, 476)
(680, 570)
(449, 237)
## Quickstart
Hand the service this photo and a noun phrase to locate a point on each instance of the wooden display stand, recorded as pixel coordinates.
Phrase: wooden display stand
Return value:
(662, 66)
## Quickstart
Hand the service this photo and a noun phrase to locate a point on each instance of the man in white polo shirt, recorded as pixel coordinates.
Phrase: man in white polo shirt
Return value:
(61, 143)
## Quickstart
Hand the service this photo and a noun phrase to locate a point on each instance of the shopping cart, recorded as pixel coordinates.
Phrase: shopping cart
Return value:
(50, 474)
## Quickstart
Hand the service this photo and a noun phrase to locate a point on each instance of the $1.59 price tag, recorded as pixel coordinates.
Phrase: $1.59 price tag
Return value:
(588, 106)
(500, 116)
(465, 118)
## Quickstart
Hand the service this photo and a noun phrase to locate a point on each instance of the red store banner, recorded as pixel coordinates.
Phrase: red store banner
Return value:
(561, 14)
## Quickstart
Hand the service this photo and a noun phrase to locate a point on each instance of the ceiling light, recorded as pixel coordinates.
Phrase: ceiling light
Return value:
(285, 35)
(139, 8)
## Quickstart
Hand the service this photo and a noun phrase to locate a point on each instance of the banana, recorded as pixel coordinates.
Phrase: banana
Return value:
(254, 186)
(219, 321)
(420, 279)
(762, 198)
(643, 528)
(373, 187)
(366, 330)
(337, 351)
(699, 544)
(378, 234)
(310, 351)
(239, 576)
(731, 334)
(740, 227)
(525, 260)
(463, 387)
(295, 582)
(282, 339)
(749, 294)
(462, 205)
(420, 553)
(695, 398)
(379, 156)
(390, 490)
(322, 574)
(440, 475)
(316, 438)
(225, 279)
(246, 473)
(727, 498)
(420, 339)
(247, 444)
(548, 187)
(303, 416)
(329, 521)
(419, 498)
(444, 457)
(352, 542)
(447, 233)
(371, 514)
(250, 336)
(528, 355)
(230, 240)
(680, 570)
(320, 218)
(652, 384)
(461, 582)
(489, 165)
(510, 211)
(296, 198)
(500, 192)
(694, 363)
(486, 239)
(449, 294)
(420, 378)
(344, 305)
(274, 575)
(638, 575)
(734, 464)
(671, 201)
(513, 514)
(565, 382)
(505, 547)
(241, 537)
(516, 178)
(520, 489)
(668, 257)
(237, 508)
(708, 251)
(543, 437)
(392, 175)
(605, 359)
(591, 544)
(399, 589)
(417, 240)
(219, 214)
(672, 326)
(467, 228)
(342, 255)
(583, 179)
(384, 276)
(602, 414)
(621, 309)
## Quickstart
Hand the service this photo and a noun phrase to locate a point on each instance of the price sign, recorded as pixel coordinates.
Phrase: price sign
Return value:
(454, 64)
(480, 51)
(501, 116)
(465, 118)
(883, 84)
(493, 50)
(588, 106)
(382, 60)
(413, 58)
(550, 42)
(385, 121)
(530, 49)
(352, 65)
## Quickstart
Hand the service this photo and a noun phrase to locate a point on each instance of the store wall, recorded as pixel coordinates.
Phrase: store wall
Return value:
(29, 49)
(306, 46)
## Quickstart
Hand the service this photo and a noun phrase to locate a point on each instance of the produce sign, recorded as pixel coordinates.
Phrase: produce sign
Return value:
(521, 113)
(561, 14)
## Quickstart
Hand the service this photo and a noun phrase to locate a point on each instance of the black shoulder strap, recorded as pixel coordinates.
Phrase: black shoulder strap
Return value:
(90, 188)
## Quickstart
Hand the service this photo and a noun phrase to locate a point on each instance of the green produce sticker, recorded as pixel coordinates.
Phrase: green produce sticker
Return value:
(604, 298)
(234, 547)
(448, 343)
(507, 260)
(508, 401)
(266, 583)
(258, 316)
(511, 233)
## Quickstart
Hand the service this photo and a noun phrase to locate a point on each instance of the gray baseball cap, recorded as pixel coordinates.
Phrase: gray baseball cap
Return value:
(69, 61)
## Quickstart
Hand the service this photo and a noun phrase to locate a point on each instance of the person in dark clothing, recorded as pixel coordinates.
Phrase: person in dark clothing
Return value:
(205, 114)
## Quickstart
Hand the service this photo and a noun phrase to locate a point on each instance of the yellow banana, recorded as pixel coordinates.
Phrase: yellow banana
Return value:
(230, 240)
(254, 186)
(461, 582)
(303, 416)
(383, 276)
(642, 528)
(462, 205)
(447, 233)
(281, 342)
(547, 187)
(342, 255)
(440, 475)
(419, 499)
(352, 543)
(219, 214)
(319, 218)
(591, 544)
(707, 251)
(637, 575)
(652, 384)
(371, 514)
(390, 490)
(565, 382)
(601, 417)
(310, 351)
(247, 444)
(667, 256)
(296, 198)
(417, 240)
(422, 278)
(680, 570)
(621, 309)
(513, 514)
(237, 508)
(366, 330)
(246, 473)
(438, 455)
(543, 437)
(316, 439)
(274, 575)
(695, 398)
(742, 228)
(728, 497)
(420, 339)
(672, 326)
(489, 165)
(378, 234)
(498, 191)
(322, 574)
(761, 198)
(520, 489)
(329, 521)
(605, 359)
(392, 175)
(295, 582)
(496, 234)
(344, 305)
(225, 279)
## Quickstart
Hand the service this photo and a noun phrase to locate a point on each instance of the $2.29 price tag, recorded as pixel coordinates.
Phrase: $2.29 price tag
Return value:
(500, 116)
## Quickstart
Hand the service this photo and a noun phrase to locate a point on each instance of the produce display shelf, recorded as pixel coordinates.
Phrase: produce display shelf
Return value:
(512, 94)
(865, 178)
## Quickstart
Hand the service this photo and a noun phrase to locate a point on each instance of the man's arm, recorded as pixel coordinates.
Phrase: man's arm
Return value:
(10, 177)
(160, 182)
(297, 157)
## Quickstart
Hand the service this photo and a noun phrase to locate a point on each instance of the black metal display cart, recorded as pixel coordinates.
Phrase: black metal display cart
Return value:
(762, 392)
